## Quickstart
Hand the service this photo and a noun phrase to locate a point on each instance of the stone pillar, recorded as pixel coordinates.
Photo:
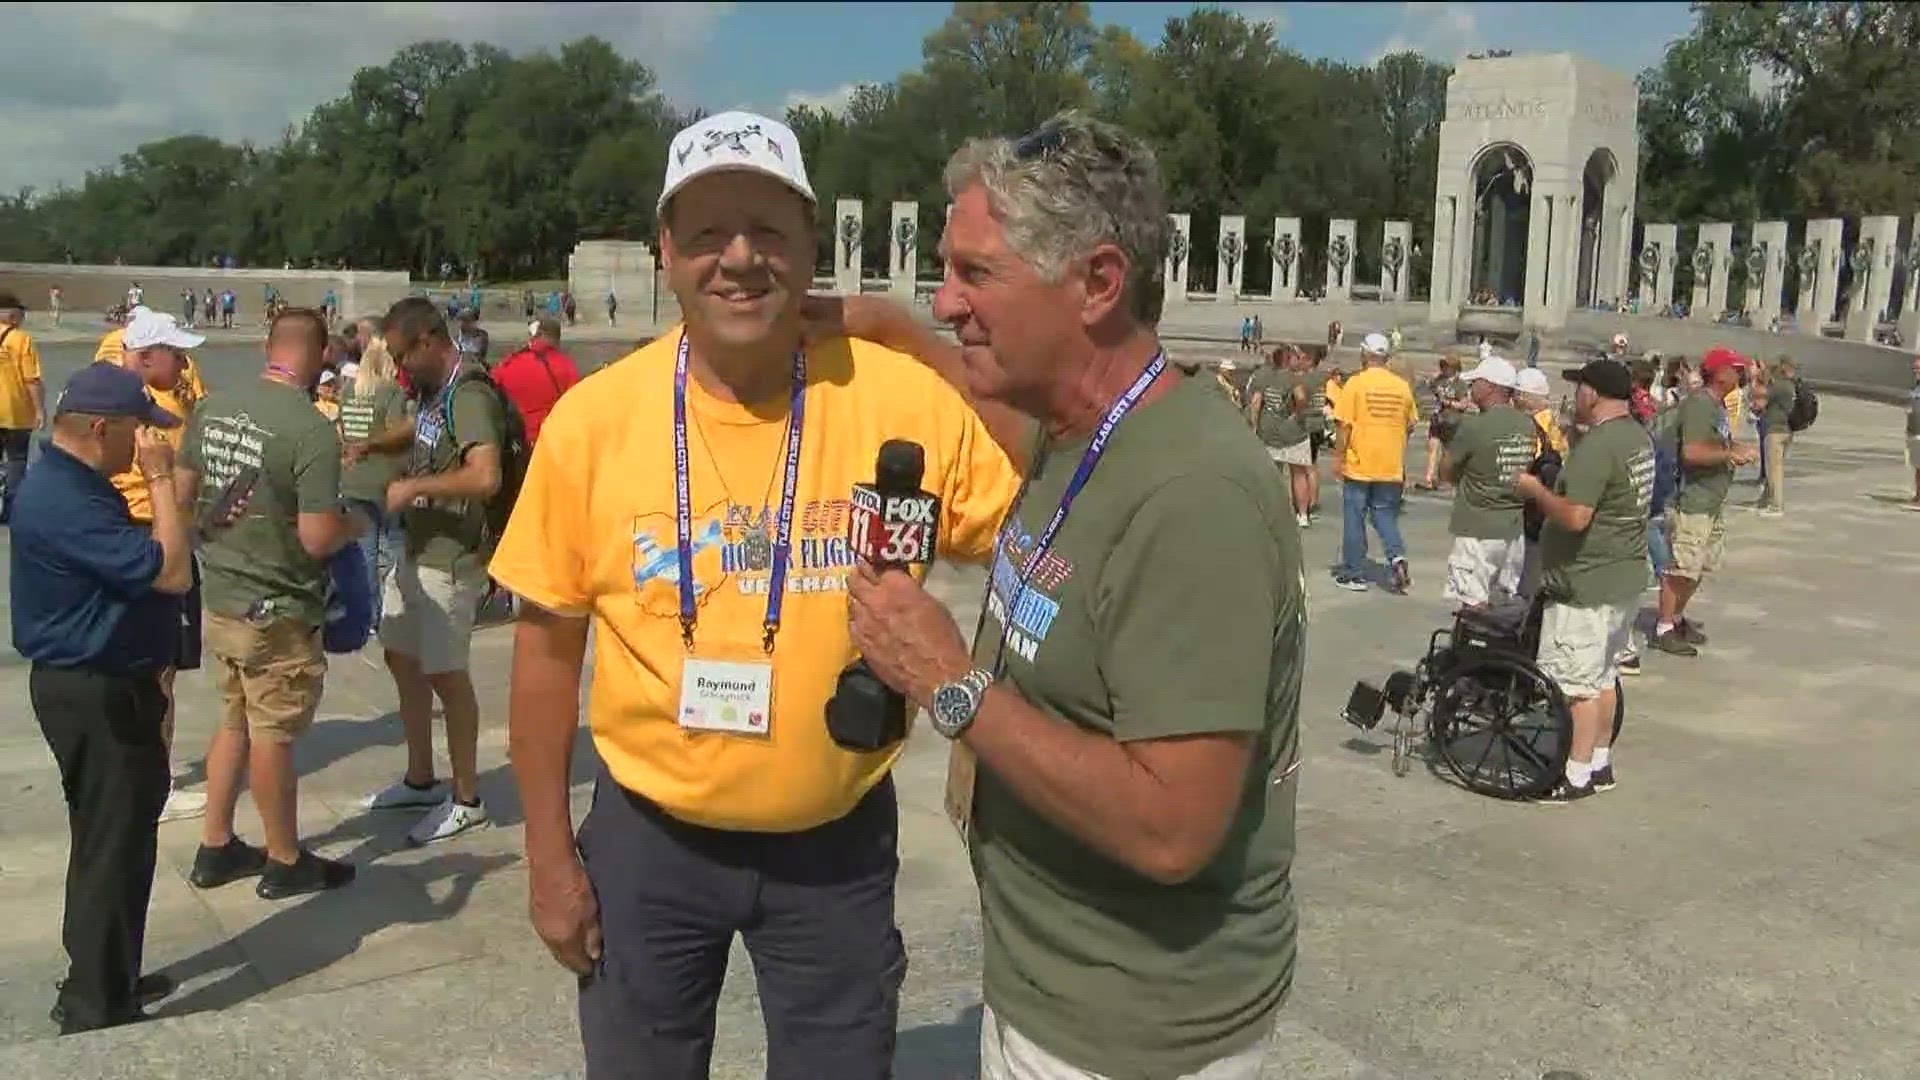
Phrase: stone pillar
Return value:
(903, 250)
(1286, 253)
(1341, 250)
(1540, 223)
(1769, 249)
(1232, 250)
(1872, 262)
(849, 224)
(1819, 264)
(1710, 295)
(1657, 244)
(1563, 274)
(1179, 250)
(1910, 310)
(1452, 249)
(1396, 261)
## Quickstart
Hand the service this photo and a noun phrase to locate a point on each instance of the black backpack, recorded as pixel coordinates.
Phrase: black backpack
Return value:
(1806, 406)
(515, 450)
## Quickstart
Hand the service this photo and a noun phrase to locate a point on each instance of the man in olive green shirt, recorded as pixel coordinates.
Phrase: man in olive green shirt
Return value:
(1487, 449)
(1277, 407)
(1126, 723)
(1708, 455)
(1593, 563)
(1777, 396)
(262, 442)
(428, 610)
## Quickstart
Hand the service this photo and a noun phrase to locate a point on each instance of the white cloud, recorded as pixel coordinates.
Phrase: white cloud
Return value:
(1442, 32)
(81, 85)
(835, 100)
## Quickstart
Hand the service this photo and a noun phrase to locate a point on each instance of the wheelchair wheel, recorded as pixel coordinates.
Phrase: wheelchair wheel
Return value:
(1502, 727)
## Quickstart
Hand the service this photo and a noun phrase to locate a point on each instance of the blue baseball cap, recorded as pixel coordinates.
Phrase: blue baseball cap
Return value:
(107, 389)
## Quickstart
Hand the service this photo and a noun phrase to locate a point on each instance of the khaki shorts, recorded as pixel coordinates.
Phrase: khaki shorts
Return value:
(1300, 453)
(1005, 1054)
(1580, 647)
(1699, 540)
(1481, 570)
(269, 675)
(1913, 452)
(428, 614)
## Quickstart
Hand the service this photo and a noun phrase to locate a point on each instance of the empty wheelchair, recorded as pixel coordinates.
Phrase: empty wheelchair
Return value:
(1482, 705)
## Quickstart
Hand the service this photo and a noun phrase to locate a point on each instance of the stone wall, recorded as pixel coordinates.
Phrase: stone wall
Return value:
(99, 288)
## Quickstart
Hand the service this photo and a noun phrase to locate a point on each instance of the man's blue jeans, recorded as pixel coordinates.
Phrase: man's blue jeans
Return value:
(1360, 499)
(382, 547)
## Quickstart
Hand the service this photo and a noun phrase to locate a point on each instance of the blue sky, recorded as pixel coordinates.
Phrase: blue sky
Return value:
(246, 71)
(763, 54)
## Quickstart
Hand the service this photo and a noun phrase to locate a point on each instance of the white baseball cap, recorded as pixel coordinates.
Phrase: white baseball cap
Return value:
(148, 328)
(1496, 371)
(1486, 349)
(1620, 340)
(1227, 365)
(1376, 345)
(735, 142)
(1533, 381)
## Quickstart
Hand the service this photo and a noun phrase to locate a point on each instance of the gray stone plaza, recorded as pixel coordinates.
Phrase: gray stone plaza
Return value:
(1740, 907)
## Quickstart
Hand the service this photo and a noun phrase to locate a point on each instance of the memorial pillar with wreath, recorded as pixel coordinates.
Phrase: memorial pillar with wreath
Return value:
(848, 231)
(1659, 247)
(903, 251)
(1232, 251)
(1872, 259)
(1340, 254)
(1285, 252)
(1770, 237)
(1910, 305)
(1178, 250)
(1396, 253)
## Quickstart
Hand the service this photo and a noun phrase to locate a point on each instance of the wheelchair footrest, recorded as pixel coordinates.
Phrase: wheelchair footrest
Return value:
(1365, 706)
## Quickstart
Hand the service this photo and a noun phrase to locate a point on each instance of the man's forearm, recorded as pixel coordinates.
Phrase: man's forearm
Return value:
(393, 440)
(542, 713)
(1560, 511)
(37, 391)
(1707, 455)
(470, 481)
(1084, 783)
(170, 530)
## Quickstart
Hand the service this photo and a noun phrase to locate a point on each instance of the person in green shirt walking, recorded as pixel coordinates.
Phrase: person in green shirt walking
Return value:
(1708, 455)
(1484, 453)
(1774, 398)
(1593, 564)
(1276, 406)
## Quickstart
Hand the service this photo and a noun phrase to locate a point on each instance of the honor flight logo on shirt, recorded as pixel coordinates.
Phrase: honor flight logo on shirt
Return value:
(735, 543)
(1034, 608)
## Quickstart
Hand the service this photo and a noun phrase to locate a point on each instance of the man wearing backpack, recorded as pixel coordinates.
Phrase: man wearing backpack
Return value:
(1776, 399)
(461, 463)
(535, 377)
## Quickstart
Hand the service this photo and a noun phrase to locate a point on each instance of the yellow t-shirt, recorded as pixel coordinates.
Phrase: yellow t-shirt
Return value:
(1377, 408)
(19, 366)
(180, 401)
(593, 533)
(1551, 425)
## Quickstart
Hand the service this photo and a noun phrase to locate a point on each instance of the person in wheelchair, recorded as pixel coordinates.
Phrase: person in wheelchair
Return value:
(1593, 556)
(1484, 451)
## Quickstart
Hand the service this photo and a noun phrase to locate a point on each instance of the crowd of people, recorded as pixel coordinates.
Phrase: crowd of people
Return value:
(1125, 792)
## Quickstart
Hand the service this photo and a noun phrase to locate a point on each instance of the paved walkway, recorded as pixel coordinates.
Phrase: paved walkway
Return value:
(1742, 906)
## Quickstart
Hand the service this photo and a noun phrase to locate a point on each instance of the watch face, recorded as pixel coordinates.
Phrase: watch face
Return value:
(952, 708)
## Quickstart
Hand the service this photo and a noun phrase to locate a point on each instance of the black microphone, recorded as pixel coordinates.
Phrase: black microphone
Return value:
(892, 524)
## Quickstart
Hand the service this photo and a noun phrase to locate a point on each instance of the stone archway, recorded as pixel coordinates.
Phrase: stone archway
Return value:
(1595, 181)
(1501, 184)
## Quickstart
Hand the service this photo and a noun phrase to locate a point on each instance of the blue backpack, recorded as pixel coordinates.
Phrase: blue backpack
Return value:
(349, 601)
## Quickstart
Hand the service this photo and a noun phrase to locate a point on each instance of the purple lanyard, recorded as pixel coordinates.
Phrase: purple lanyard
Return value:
(683, 499)
(1095, 448)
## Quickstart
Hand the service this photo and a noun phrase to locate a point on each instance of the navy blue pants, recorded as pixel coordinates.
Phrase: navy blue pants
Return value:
(15, 446)
(815, 909)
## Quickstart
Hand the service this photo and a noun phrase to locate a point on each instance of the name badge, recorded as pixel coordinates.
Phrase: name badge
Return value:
(729, 696)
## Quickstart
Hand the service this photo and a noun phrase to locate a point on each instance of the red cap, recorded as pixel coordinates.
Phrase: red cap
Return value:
(1721, 357)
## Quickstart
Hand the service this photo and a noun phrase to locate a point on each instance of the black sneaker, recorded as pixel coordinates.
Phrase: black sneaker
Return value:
(148, 990)
(217, 866)
(1690, 633)
(1402, 577)
(1603, 778)
(1630, 665)
(1564, 792)
(308, 874)
(1351, 584)
(1672, 642)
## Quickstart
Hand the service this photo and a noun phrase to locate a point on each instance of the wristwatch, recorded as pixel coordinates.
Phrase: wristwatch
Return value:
(956, 703)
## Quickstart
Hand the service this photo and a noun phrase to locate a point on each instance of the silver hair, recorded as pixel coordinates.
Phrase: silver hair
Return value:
(1072, 185)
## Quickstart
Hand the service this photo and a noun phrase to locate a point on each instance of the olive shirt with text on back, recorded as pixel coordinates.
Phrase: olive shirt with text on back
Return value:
(1488, 449)
(1703, 488)
(451, 534)
(364, 412)
(1610, 470)
(1278, 425)
(256, 565)
(1129, 630)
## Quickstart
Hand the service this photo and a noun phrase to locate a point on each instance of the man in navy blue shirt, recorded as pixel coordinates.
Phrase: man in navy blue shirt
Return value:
(95, 607)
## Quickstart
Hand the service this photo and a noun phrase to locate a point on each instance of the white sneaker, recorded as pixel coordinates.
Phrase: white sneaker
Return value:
(1302, 520)
(401, 795)
(182, 805)
(447, 819)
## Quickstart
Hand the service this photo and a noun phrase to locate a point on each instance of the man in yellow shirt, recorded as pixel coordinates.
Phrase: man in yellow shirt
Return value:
(1376, 410)
(158, 355)
(1534, 397)
(23, 402)
(692, 506)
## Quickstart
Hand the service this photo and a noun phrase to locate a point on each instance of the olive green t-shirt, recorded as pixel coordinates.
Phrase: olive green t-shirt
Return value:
(1315, 381)
(1610, 470)
(448, 534)
(1703, 419)
(361, 415)
(1171, 603)
(1278, 425)
(1489, 449)
(256, 566)
(1780, 395)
